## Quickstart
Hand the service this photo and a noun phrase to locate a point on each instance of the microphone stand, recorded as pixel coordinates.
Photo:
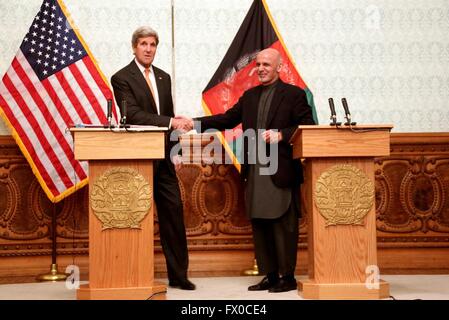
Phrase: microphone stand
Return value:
(333, 117)
(123, 119)
(109, 115)
(347, 113)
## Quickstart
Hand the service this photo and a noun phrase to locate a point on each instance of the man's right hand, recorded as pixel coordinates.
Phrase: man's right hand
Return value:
(182, 123)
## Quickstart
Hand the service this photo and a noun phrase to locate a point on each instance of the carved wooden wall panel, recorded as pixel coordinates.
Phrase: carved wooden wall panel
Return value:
(412, 198)
(26, 212)
(412, 191)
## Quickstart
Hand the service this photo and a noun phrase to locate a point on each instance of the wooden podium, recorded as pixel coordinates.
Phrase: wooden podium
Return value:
(340, 202)
(121, 249)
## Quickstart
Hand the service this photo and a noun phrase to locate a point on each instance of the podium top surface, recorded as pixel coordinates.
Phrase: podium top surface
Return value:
(325, 141)
(342, 127)
(142, 142)
(363, 126)
(131, 128)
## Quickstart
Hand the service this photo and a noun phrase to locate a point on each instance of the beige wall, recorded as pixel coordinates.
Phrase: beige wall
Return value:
(390, 59)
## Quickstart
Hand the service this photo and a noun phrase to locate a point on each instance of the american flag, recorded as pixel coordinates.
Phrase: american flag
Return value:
(53, 83)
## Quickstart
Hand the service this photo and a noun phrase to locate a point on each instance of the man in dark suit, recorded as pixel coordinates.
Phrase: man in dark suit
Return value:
(272, 110)
(147, 92)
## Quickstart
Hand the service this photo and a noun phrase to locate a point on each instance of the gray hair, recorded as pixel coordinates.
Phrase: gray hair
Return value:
(143, 32)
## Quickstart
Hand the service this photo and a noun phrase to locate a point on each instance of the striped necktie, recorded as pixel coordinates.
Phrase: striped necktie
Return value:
(147, 78)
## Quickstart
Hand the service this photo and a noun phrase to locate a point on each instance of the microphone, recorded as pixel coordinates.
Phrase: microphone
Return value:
(347, 113)
(333, 114)
(123, 111)
(109, 114)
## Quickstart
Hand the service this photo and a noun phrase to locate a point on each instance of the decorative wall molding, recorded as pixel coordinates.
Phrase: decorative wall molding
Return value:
(412, 188)
(412, 199)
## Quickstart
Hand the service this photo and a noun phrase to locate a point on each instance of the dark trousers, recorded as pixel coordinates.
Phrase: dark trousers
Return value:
(171, 220)
(276, 242)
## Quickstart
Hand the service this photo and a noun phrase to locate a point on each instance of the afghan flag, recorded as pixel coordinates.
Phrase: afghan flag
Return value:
(237, 72)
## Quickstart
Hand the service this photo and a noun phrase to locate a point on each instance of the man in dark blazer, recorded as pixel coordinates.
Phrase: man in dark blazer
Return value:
(147, 92)
(272, 110)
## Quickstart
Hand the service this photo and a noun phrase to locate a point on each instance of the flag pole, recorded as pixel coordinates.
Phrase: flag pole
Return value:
(173, 54)
(54, 275)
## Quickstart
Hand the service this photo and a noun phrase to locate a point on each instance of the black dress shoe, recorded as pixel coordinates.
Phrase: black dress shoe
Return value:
(265, 284)
(284, 285)
(184, 284)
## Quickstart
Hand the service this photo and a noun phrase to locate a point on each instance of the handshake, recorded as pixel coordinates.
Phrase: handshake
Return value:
(182, 123)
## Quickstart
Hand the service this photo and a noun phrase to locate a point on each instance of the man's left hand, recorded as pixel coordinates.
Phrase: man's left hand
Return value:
(272, 136)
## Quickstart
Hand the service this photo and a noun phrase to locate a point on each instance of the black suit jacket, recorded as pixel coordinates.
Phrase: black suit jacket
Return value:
(129, 84)
(289, 108)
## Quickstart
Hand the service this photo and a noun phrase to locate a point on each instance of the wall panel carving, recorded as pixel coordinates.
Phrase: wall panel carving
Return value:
(412, 199)
(412, 191)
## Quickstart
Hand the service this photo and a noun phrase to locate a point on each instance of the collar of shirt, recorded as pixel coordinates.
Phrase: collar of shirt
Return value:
(142, 68)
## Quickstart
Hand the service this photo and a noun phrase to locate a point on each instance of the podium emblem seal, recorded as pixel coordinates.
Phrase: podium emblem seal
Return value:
(121, 198)
(344, 195)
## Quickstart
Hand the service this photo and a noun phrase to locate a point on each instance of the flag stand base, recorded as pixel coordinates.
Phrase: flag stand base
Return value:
(53, 276)
(252, 272)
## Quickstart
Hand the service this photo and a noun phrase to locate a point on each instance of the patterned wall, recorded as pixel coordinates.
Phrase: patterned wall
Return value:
(390, 59)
